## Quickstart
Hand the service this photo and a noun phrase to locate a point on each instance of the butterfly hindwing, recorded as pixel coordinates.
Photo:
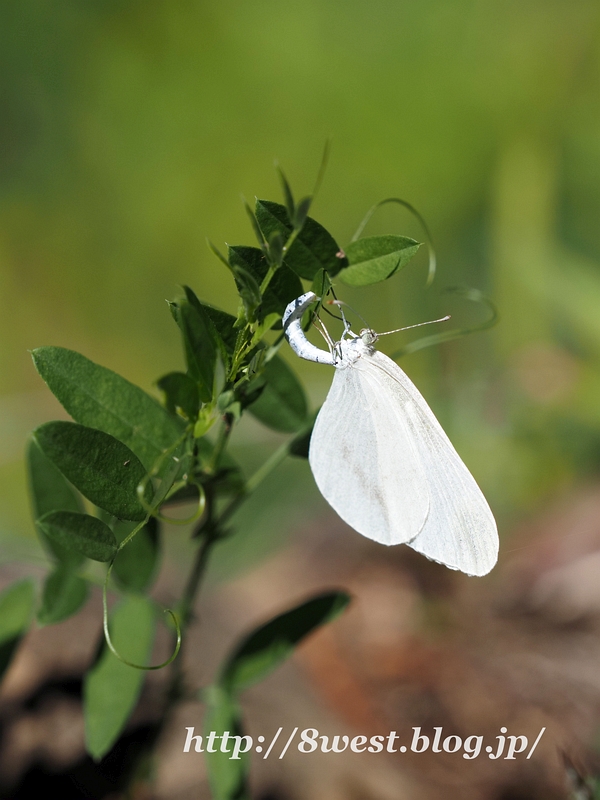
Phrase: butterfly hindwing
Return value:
(460, 530)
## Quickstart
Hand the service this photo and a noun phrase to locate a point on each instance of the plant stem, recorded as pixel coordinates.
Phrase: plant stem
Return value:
(220, 444)
(195, 578)
(210, 538)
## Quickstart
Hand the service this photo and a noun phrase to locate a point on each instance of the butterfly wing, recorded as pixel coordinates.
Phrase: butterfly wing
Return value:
(364, 458)
(460, 530)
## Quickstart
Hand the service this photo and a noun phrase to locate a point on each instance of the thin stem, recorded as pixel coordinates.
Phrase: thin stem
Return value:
(199, 567)
(220, 444)
(268, 277)
(195, 578)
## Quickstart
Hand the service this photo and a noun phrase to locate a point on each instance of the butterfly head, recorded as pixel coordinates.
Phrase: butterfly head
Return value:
(368, 336)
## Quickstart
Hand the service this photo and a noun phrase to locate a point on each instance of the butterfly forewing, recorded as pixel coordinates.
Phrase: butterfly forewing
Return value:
(364, 459)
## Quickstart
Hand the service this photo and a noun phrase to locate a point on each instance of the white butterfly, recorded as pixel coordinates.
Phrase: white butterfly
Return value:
(382, 461)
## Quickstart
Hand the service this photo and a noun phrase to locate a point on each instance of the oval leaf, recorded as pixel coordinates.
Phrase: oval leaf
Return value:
(111, 688)
(50, 491)
(314, 247)
(16, 607)
(101, 399)
(200, 346)
(267, 646)
(282, 403)
(81, 532)
(376, 258)
(227, 776)
(64, 594)
(102, 468)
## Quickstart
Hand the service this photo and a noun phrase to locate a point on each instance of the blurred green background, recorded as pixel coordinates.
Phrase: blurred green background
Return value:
(129, 129)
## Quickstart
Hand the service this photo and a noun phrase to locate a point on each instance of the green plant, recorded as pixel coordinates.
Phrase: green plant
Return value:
(101, 486)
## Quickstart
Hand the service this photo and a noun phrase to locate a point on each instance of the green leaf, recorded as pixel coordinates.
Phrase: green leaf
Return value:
(282, 403)
(64, 594)
(200, 346)
(99, 398)
(87, 535)
(270, 644)
(50, 491)
(209, 315)
(224, 324)
(248, 289)
(102, 468)
(284, 287)
(260, 238)
(227, 776)
(314, 247)
(136, 564)
(16, 608)
(180, 392)
(111, 688)
(376, 258)
(321, 284)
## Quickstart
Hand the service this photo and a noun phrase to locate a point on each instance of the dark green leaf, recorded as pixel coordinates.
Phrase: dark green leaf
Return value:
(227, 776)
(321, 284)
(64, 594)
(102, 468)
(270, 644)
(111, 688)
(16, 608)
(209, 315)
(260, 238)
(135, 566)
(313, 249)
(200, 346)
(285, 285)
(224, 324)
(376, 258)
(180, 392)
(99, 398)
(282, 403)
(248, 289)
(50, 491)
(81, 532)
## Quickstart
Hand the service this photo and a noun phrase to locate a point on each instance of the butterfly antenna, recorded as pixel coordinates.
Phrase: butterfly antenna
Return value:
(347, 326)
(418, 325)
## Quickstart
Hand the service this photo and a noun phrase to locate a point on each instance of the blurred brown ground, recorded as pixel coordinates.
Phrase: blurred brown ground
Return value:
(420, 646)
